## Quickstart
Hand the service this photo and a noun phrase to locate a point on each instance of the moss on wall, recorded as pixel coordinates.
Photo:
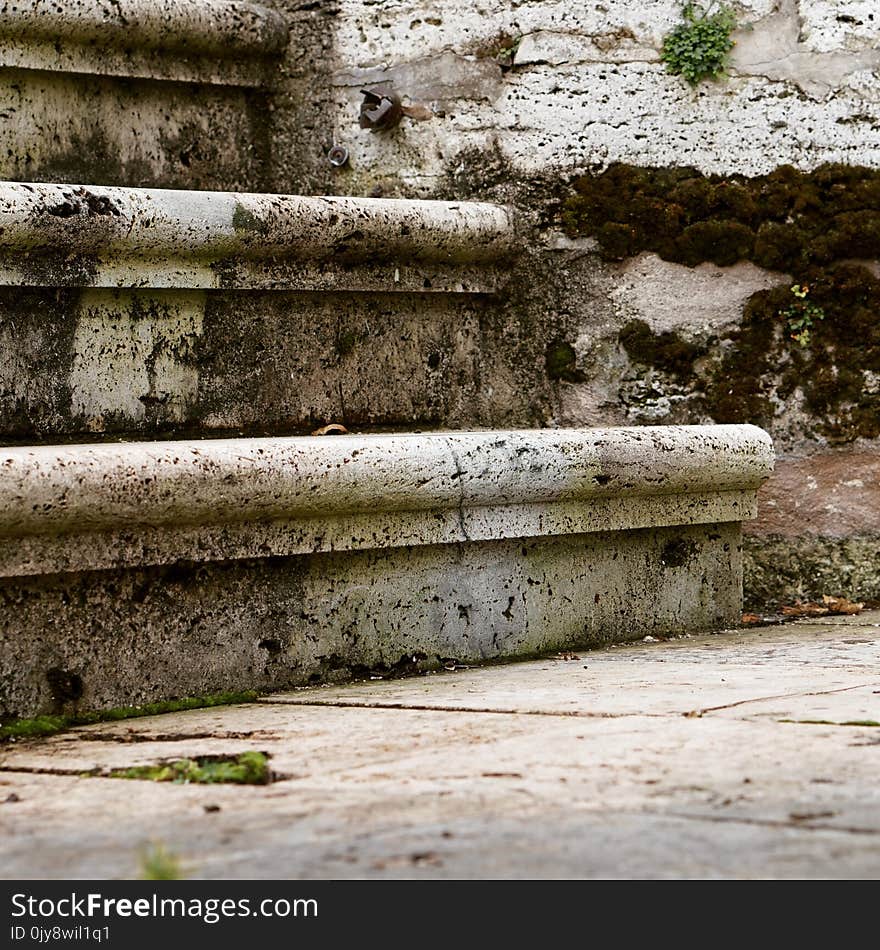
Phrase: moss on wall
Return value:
(788, 220)
(815, 226)
(830, 373)
(666, 349)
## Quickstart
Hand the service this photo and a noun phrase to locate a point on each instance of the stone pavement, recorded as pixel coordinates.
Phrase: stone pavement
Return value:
(741, 754)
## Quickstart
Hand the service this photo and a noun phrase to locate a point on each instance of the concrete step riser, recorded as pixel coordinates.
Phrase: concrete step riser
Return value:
(144, 572)
(168, 93)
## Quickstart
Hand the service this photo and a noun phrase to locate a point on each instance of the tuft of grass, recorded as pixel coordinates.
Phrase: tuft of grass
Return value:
(50, 725)
(249, 768)
(158, 864)
(32, 728)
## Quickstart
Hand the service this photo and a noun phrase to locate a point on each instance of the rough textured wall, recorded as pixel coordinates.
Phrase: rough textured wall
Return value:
(560, 84)
(101, 130)
(515, 100)
(137, 92)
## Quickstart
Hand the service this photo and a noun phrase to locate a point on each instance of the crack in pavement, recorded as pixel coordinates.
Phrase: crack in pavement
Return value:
(583, 714)
(416, 707)
(791, 824)
(132, 737)
(697, 713)
(53, 770)
(141, 738)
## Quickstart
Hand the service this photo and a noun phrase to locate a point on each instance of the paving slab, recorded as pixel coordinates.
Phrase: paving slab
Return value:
(869, 618)
(644, 765)
(656, 678)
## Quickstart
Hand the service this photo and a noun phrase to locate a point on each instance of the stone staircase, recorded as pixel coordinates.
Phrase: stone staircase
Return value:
(167, 527)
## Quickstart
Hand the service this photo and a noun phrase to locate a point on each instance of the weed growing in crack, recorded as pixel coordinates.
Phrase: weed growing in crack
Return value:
(801, 315)
(249, 768)
(699, 47)
(158, 864)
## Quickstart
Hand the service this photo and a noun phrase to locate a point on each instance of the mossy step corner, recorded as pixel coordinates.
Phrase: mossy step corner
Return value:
(139, 572)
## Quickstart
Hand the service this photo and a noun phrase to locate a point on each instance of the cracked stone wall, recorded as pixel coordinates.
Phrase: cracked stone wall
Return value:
(513, 99)
(583, 84)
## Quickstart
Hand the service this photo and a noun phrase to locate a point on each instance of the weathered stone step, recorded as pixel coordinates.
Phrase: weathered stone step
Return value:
(85, 507)
(138, 92)
(138, 572)
(216, 41)
(54, 235)
(173, 311)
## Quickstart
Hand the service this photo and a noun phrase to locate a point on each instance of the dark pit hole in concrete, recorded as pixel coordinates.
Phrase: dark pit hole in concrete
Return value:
(560, 362)
(273, 647)
(66, 687)
(181, 572)
(407, 665)
(678, 552)
(63, 210)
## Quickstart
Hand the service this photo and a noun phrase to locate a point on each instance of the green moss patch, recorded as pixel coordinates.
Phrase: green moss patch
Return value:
(665, 349)
(770, 360)
(49, 725)
(248, 768)
(245, 220)
(560, 361)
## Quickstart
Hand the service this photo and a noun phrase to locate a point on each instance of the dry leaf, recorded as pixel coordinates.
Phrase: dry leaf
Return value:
(333, 429)
(752, 618)
(566, 656)
(840, 605)
(829, 606)
(806, 610)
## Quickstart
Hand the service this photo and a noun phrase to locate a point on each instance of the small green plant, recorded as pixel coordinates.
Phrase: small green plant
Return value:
(699, 47)
(507, 51)
(801, 315)
(249, 768)
(158, 864)
(501, 47)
